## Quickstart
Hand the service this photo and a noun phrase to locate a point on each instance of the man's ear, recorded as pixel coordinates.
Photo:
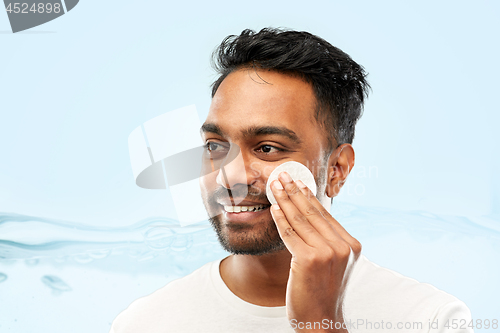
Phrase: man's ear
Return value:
(340, 164)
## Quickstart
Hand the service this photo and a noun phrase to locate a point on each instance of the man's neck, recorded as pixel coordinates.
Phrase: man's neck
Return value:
(260, 280)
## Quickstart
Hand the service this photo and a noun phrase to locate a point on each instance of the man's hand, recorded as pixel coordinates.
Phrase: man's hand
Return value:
(323, 255)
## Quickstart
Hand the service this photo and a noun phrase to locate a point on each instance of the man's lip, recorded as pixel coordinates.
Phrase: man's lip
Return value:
(242, 203)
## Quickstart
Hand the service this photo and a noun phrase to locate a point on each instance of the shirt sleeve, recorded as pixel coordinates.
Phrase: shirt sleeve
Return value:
(452, 317)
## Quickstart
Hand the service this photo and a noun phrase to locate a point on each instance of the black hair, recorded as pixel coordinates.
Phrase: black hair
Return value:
(338, 82)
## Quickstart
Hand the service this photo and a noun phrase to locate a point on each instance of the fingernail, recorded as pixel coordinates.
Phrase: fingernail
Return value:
(275, 207)
(286, 177)
(277, 185)
(300, 184)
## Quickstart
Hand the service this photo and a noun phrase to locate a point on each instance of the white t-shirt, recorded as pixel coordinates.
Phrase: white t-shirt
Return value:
(376, 300)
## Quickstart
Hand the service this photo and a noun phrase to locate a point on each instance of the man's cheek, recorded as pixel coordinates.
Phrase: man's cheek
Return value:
(255, 169)
(210, 191)
(209, 181)
(261, 170)
(268, 169)
(206, 187)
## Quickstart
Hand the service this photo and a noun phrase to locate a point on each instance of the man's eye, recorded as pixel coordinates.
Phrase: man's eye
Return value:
(214, 147)
(268, 149)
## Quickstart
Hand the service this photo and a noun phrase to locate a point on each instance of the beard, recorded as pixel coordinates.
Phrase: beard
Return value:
(256, 238)
(236, 240)
(259, 237)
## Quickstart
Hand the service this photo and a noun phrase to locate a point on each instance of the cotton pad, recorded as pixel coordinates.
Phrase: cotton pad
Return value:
(297, 171)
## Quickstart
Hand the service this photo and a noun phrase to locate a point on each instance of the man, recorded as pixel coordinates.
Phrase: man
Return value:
(287, 96)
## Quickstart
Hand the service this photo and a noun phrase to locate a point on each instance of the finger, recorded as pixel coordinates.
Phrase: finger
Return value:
(353, 242)
(316, 218)
(310, 202)
(292, 240)
(300, 223)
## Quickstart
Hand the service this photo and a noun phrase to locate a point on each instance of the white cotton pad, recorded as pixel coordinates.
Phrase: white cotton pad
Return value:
(297, 171)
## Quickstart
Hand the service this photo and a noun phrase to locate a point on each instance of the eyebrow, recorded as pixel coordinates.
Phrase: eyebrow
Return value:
(255, 131)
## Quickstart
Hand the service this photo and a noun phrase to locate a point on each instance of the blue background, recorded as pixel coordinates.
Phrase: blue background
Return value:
(72, 90)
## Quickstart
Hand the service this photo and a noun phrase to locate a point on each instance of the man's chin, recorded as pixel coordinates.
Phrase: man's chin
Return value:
(241, 238)
(252, 249)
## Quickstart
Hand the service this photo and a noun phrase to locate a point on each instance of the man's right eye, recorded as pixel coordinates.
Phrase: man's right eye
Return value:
(212, 146)
(216, 150)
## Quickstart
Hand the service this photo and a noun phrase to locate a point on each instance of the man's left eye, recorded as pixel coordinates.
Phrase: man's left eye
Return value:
(267, 149)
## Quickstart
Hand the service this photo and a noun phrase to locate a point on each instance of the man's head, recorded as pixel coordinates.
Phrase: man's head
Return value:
(281, 96)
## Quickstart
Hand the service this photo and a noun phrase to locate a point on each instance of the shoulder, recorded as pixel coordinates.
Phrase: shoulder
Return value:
(384, 293)
(372, 277)
(175, 297)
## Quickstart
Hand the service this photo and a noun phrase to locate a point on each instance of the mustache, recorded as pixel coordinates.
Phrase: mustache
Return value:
(241, 193)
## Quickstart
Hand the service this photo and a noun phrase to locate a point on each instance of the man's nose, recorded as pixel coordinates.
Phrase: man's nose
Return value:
(233, 173)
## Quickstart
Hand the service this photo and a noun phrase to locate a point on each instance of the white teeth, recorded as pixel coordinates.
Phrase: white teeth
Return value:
(237, 209)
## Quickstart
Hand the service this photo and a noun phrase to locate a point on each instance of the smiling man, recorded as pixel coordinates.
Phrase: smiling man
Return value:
(287, 96)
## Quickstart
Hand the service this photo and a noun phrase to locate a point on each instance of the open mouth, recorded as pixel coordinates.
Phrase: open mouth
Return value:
(240, 209)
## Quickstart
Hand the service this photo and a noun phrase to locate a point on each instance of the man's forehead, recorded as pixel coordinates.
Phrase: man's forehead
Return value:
(249, 90)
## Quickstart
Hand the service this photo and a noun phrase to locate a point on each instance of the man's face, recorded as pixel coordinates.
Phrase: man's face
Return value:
(270, 117)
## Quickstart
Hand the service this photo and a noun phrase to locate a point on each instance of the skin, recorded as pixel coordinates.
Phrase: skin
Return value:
(309, 273)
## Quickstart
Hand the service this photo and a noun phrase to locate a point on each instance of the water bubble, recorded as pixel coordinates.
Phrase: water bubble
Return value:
(82, 258)
(55, 283)
(61, 259)
(147, 256)
(181, 243)
(3, 277)
(99, 254)
(32, 262)
(158, 238)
